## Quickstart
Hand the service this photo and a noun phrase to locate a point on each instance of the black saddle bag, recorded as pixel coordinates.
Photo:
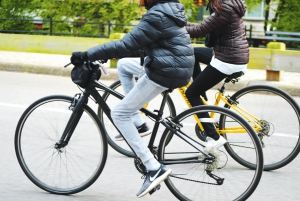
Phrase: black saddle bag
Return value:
(81, 74)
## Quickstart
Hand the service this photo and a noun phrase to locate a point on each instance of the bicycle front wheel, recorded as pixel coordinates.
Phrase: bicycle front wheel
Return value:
(66, 170)
(224, 178)
(121, 146)
(278, 114)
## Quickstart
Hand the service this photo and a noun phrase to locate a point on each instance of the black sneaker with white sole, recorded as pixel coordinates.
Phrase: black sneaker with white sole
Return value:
(152, 179)
(143, 131)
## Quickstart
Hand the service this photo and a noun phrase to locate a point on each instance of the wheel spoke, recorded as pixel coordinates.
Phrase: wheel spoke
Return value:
(60, 170)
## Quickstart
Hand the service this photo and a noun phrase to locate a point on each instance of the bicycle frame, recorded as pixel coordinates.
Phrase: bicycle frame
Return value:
(232, 104)
(92, 91)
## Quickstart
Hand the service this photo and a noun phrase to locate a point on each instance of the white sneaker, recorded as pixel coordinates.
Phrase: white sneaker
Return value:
(211, 143)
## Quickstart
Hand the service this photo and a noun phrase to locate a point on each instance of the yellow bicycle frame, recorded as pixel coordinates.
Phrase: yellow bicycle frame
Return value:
(220, 97)
(230, 130)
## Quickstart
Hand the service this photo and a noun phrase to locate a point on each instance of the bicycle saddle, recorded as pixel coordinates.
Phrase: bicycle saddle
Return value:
(234, 76)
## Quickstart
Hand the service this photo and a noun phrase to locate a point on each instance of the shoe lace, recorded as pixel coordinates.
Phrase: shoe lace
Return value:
(144, 175)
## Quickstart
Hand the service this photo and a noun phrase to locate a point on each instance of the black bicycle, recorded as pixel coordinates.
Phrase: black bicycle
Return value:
(273, 114)
(61, 146)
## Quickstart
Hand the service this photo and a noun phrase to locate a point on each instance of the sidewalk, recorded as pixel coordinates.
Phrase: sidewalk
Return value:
(53, 64)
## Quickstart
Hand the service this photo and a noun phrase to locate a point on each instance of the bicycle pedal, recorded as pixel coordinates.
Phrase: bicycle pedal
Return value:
(154, 189)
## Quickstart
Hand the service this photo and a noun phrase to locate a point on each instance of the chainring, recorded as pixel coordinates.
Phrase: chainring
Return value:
(140, 166)
(200, 134)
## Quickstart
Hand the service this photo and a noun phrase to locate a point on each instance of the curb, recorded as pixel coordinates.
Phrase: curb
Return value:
(48, 70)
(292, 89)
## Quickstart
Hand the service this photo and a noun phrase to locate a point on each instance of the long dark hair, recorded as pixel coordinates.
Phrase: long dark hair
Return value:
(215, 5)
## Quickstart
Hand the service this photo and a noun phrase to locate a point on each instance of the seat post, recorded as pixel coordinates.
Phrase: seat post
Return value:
(158, 118)
(163, 103)
(223, 87)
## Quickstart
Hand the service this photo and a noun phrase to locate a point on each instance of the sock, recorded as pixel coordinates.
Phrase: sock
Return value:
(215, 136)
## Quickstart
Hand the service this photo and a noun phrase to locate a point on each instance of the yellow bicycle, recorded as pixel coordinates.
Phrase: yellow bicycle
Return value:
(272, 113)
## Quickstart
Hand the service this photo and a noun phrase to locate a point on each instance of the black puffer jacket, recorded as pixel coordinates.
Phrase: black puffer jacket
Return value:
(230, 43)
(162, 34)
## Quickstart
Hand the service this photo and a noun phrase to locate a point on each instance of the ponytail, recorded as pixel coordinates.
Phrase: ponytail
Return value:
(215, 5)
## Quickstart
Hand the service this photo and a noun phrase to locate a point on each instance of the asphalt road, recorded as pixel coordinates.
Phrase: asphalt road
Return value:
(119, 181)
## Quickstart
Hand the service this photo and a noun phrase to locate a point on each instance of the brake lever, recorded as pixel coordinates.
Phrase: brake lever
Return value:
(102, 61)
(67, 65)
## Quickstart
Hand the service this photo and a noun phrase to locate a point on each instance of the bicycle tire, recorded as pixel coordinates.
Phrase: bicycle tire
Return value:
(278, 112)
(121, 146)
(188, 182)
(60, 171)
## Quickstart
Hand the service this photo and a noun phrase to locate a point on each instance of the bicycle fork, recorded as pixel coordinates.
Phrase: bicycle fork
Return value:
(76, 107)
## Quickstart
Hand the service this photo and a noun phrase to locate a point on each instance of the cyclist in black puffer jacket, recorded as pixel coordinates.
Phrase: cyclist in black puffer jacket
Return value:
(169, 63)
(163, 36)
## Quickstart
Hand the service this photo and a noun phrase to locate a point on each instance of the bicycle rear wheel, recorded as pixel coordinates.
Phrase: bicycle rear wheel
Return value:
(191, 180)
(279, 116)
(70, 169)
(121, 146)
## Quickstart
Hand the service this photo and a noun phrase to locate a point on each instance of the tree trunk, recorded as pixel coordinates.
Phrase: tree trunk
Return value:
(278, 11)
(267, 14)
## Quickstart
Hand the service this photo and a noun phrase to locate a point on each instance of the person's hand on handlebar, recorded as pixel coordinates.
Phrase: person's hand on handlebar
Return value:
(78, 58)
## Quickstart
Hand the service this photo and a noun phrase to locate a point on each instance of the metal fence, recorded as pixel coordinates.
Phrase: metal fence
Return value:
(82, 28)
(79, 27)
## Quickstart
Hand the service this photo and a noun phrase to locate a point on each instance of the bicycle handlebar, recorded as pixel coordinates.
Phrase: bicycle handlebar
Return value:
(100, 61)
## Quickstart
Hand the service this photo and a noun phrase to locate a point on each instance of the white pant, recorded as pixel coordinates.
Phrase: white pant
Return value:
(142, 92)
(128, 69)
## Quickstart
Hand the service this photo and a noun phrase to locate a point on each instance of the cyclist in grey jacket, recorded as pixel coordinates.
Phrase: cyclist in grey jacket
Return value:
(169, 63)
(231, 54)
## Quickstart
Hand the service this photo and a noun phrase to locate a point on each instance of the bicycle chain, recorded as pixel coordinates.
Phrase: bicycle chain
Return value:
(203, 182)
(141, 168)
(183, 152)
(234, 145)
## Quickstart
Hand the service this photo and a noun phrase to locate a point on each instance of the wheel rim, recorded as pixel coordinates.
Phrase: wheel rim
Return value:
(239, 182)
(65, 171)
(280, 121)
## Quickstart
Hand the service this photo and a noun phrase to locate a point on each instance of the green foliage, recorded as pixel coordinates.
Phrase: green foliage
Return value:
(78, 14)
(118, 12)
(288, 16)
(8, 9)
(252, 4)
(191, 9)
(287, 19)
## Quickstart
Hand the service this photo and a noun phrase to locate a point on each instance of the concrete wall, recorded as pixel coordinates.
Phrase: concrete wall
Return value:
(47, 44)
(274, 59)
(260, 58)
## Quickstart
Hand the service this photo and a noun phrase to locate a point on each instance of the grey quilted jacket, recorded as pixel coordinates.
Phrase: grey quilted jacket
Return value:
(163, 36)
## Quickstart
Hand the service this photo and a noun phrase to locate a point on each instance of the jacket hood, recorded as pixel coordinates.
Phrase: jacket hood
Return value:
(239, 6)
(173, 9)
